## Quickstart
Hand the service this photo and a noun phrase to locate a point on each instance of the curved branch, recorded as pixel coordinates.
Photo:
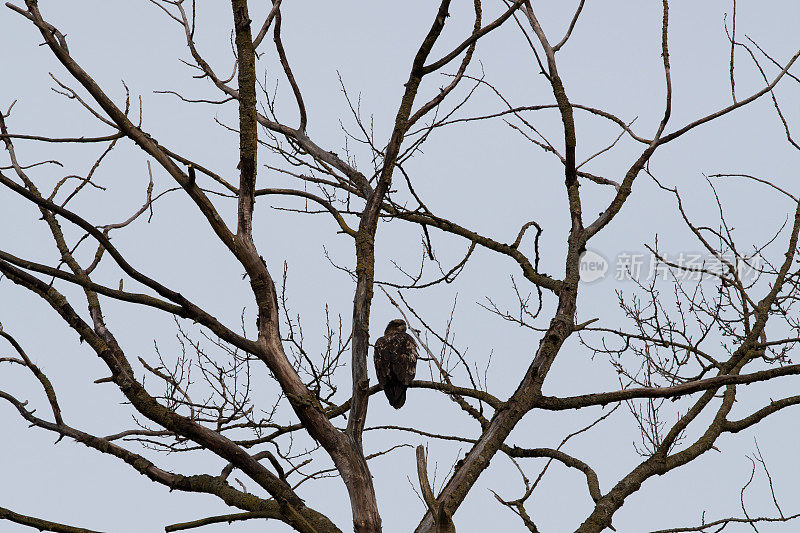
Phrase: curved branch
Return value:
(734, 426)
(226, 518)
(40, 524)
(566, 459)
(197, 483)
(120, 119)
(40, 376)
(196, 312)
(106, 347)
(675, 391)
(105, 138)
(321, 201)
(625, 189)
(288, 71)
(574, 21)
(436, 65)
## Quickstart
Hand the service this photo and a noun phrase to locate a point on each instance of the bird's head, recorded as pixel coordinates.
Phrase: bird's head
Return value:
(398, 325)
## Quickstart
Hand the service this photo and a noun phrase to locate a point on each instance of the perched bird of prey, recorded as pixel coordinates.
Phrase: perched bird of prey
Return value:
(395, 361)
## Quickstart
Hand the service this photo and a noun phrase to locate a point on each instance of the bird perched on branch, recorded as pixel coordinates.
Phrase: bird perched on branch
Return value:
(395, 361)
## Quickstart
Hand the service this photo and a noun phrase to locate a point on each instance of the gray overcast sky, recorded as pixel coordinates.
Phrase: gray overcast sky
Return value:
(484, 174)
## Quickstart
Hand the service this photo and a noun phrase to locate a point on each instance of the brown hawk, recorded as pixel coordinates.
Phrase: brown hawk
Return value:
(395, 361)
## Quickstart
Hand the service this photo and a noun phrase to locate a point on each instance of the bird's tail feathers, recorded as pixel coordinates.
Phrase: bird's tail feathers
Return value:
(395, 393)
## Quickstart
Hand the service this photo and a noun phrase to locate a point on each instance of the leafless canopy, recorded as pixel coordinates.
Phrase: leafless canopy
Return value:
(246, 395)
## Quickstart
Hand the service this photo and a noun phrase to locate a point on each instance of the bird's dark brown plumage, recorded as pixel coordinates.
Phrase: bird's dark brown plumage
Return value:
(395, 362)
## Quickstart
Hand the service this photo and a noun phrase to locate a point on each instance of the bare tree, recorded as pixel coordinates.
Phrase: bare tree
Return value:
(246, 395)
